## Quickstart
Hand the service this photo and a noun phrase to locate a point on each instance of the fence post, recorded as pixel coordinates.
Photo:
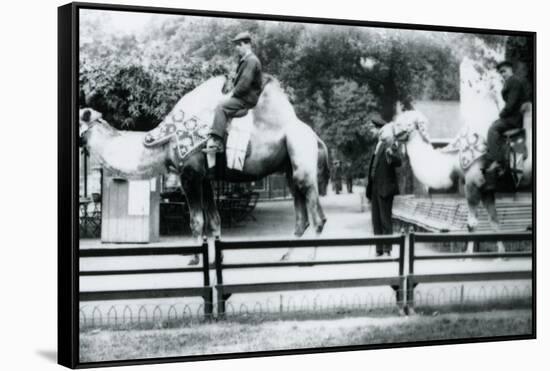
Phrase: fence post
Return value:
(218, 246)
(401, 296)
(410, 283)
(208, 298)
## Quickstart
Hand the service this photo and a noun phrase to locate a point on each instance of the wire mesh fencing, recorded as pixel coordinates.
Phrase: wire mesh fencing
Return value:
(306, 305)
(481, 296)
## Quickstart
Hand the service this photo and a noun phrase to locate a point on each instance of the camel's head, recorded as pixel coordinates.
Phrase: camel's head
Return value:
(408, 123)
(385, 134)
(87, 117)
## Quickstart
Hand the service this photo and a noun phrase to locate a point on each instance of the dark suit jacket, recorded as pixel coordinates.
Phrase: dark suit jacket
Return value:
(382, 176)
(515, 92)
(248, 80)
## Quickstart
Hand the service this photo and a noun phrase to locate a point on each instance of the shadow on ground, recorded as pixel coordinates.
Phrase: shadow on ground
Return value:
(50, 355)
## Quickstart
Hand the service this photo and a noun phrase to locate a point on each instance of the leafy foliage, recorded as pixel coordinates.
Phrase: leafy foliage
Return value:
(335, 76)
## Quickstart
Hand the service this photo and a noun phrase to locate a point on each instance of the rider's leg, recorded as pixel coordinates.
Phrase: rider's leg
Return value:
(495, 142)
(223, 112)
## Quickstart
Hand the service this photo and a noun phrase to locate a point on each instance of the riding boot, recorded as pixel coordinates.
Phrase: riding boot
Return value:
(214, 144)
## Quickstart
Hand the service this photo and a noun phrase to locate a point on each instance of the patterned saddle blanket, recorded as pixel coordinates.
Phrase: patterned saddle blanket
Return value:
(469, 145)
(191, 134)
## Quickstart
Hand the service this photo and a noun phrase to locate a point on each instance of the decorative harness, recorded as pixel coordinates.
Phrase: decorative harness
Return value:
(469, 145)
(191, 134)
(85, 126)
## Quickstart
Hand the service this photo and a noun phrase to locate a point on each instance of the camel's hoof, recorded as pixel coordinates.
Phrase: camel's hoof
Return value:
(300, 232)
(194, 261)
(320, 227)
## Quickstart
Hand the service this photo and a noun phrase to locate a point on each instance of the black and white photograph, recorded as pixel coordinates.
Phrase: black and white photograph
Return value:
(269, 185)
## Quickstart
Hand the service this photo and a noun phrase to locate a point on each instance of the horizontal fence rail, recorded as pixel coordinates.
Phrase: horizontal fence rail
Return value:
(414, 279)
(278, 244)
(472, 237)
(144, 294)
(141, 251)
(205, 291)
(224, 291)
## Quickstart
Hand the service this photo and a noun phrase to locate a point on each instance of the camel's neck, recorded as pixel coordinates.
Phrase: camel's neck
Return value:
(123, 153)
(99, 136)
(430, 166)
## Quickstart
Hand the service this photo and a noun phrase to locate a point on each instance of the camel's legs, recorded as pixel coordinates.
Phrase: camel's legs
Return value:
(212, 215)
(321, 212)
(213, 219)
(314, 208)
(302, 222)
(488, 199)
(473, 196)
(192, 188)
(303, 153)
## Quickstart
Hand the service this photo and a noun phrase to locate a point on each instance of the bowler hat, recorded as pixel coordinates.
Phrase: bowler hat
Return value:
(505, 64)
(243, 36)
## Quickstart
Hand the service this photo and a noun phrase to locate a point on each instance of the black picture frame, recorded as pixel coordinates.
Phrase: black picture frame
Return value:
(68, 183)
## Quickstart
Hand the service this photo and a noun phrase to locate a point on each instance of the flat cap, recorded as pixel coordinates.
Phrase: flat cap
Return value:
(243, 36)
(505, 64)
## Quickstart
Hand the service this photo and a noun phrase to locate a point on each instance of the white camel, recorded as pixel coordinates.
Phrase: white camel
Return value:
(437, 168)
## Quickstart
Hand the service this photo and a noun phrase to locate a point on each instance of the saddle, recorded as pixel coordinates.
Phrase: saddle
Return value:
(470, 147)
(514, 133)
(190, 136)
(189, 133)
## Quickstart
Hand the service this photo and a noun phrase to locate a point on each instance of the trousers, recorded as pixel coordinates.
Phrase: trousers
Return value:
(229, 108)
(381, 210)
(495, 138)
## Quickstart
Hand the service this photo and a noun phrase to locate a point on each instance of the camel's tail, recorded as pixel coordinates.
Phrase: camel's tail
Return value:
(323, 167)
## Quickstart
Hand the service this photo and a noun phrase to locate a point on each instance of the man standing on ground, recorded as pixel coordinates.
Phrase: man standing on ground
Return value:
(382, 185)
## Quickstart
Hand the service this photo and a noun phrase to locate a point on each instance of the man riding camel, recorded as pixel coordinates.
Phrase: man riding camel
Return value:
(515, 92)
(247, 86)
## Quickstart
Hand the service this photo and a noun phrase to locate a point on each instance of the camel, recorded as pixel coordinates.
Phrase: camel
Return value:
(279, 142)
(437, 168)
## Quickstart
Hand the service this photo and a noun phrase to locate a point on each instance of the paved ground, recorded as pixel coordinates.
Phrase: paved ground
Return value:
(275, 220)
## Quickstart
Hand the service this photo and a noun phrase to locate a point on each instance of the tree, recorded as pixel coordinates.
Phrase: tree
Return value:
(336, 77)
(520, 51)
